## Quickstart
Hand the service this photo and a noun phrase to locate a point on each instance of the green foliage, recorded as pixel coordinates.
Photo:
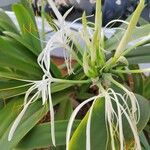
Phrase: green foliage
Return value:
(95, 70)
(31, 141)
(34, 114)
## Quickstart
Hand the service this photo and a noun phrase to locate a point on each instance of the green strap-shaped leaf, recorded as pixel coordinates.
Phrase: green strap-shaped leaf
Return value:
(6, 23)
(10, 88)
(11, 57)
(28, 6)
(40, 136)
(28, 27)
(34, 114)
(112, 43)
(8, 114)
(144, 142)
(21, 40)
(65, 109)
(146, 91)
(132, 24)
(19, 48)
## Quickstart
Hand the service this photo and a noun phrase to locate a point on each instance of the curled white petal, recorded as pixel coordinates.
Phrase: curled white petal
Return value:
(121, 136)
(18, 119)
(128, 113)
(133, 128)
(56, 11)
(70, 124)
(88, 128)
(52, 117)
(109, 117)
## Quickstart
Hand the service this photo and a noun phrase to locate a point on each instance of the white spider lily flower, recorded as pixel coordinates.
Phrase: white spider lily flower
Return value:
(131, 113)
(59, 40)
(134, 103)
(123, 110)
(113, 117)
(43, 90)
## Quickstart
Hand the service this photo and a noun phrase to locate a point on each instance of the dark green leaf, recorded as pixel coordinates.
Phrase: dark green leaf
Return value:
(6, 23)
(28, 27)
(33, 140)
(33, 115)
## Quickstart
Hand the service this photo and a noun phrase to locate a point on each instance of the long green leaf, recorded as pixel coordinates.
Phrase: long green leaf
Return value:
(21, 40)
(8, 114)
(112, 43)
(6, 23)
(11, 57)
(44, 140)
(10, 89)
(28, 27)
(33, 115)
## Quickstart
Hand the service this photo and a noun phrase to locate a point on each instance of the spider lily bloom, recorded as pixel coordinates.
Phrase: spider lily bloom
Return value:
(43, 90)
(113, 117)
(59, 40)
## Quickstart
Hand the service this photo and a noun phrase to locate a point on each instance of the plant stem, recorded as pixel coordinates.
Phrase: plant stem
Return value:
(43, 24)
(116, 83)
(71, 81)
(98, 38)
(131, 71)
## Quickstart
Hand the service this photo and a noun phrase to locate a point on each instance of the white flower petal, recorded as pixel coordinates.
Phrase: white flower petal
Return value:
(133, 128)
(109, 117)
(19, 117)
(52, 116)
(121, 136)
(56, 11)
(88, 128)
(72, 118)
